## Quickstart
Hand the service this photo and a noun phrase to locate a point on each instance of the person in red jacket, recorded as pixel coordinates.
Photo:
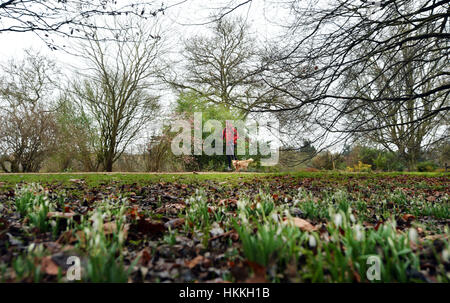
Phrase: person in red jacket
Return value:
(230, 135)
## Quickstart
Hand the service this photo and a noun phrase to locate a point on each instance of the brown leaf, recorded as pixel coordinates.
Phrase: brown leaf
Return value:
(111, 227)
(259, 273)
(238, 270)
(431, 198)
(172, 208)
(227, 202)
(408, 217)
(303, 224)
(150, 227)
(378, 225)
(194, 262)
(145, 256)
(48, 266)
(81, 236)
(134, 213)
(67, 237)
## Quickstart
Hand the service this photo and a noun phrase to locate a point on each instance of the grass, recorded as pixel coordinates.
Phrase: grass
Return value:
(95, 179)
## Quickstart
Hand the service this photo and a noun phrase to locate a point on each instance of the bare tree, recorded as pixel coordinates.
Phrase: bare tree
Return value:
(115, 92)
(28, 131)
(349, 35)
(77, 136)
(326, 40)
(405, 127)
(223, 67)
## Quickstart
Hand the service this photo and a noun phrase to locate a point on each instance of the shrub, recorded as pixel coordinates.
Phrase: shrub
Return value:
(360, 167)
(427, 166)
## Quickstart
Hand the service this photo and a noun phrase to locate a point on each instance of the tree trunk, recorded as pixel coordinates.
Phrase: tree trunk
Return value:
(109, 164)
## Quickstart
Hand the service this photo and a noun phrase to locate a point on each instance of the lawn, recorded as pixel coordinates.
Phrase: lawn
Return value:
(299, 227)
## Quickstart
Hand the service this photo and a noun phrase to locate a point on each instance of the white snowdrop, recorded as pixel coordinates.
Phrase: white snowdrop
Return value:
(338, 219)
(358, 232)
(279, 230)
(31, 247)
(312, 241)
(240, 204)
(121, 237)
(445, 255)
(275, 217)
(413, 235)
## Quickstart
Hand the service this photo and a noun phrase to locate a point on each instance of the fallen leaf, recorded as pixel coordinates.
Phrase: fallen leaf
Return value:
(145, 256)
(111, 227)
(67, 237)
(194, 262)
(303, 224)
(431, 198)
(259, 273)
(150, 227)
(408, 217)
(378, 225)
(239, 271)
(171, 208)
(48, 266)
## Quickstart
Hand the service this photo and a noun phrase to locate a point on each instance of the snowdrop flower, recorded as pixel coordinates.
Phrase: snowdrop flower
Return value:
(445, 255)
(97, 240)
(412, 235)
(243, 219)
(338, 219)
(87, 231)
(275, 217)
(358, 232)
(31, 247)
(312, 241)
(352, 218)
(258, 206)
(279, 230)
(121, 237)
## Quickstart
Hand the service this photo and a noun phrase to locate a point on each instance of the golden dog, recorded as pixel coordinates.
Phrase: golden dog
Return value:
(241, 164)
